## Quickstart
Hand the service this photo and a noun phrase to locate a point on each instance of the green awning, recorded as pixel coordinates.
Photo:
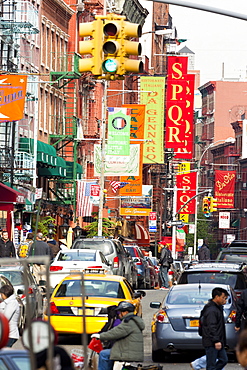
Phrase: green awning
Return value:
(58, 172)
(70, 166)
(46, 153)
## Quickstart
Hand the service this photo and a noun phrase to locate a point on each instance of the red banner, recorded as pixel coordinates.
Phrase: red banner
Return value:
(176, 67)
(224, 188)
(186, 181)
(179, 116)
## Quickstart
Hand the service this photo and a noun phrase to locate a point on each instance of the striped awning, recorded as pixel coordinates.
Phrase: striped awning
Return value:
(142, 235)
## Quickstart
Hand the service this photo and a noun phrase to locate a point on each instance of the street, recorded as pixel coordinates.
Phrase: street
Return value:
(178, 361)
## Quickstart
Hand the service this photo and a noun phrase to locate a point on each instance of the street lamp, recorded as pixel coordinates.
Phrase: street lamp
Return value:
(51, 228)
(77, 230)
(64, 229)
(228, 140)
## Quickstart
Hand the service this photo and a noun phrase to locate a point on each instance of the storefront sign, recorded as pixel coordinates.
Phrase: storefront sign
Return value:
(224, 188)
(137, 206)
(153, 97)
(224, 220)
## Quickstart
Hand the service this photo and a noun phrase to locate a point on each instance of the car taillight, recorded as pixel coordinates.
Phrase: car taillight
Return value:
(30, 290)
(162, 317)
(94, 267)
(170, 272)
(232, 317)
(138, 262)
(238, 294)
(56, 268)
(53, 308)
(115, 261)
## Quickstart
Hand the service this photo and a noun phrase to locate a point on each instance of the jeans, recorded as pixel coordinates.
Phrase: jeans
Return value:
(10, 342)
(213, 355)
(104, 360)
(200, 363)
(164, 276)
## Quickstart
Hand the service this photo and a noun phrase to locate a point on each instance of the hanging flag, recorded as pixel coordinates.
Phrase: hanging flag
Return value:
(84, 206)
(117, 185)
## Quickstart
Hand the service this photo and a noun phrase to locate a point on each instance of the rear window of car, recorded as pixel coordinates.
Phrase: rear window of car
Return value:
(95, 288)
(131, 251)
(76, 256)
(191, 297)
(105, 246)
(15, 277)
(235, 280)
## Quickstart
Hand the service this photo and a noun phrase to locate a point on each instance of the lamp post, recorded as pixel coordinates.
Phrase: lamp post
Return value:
(51, 228)
(64, 229)
(77, 230)
(228, 140)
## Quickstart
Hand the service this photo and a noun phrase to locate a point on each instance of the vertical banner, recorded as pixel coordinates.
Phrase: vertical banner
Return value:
(180, 116)
(224, 188)
(176, 67)
(118, 132)
(134, 186)
(153, 97)
(12, 97)
(187, 182)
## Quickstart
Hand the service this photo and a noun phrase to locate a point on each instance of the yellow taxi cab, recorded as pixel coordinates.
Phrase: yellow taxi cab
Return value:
(100, 291)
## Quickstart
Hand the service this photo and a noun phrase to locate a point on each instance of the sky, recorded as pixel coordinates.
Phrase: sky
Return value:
(215, 39)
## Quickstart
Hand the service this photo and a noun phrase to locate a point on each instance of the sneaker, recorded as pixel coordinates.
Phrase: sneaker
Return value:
(162, 288)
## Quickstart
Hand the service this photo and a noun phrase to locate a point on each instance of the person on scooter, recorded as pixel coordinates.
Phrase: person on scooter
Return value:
(128, 339)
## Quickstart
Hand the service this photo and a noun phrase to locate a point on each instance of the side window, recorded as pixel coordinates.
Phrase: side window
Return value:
(2, 365)
(129, 287)
(117, 247)
(103, 259)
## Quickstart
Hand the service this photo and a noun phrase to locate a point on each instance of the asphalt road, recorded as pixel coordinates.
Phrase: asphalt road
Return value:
(177, 361)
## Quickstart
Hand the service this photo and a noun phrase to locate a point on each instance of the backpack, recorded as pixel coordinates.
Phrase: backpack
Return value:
(23, 249)
(169, 258)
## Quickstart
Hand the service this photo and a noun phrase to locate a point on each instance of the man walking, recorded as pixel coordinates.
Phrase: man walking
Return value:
(241, 311)
(165, 263)
(40, 248)
(7, 248)
(212, 330)
(204, 252)
(127, 337)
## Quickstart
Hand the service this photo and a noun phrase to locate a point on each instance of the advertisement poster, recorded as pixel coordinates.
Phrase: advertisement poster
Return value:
(224, 188)
(137, 206)
(12, 97)
(118, 142)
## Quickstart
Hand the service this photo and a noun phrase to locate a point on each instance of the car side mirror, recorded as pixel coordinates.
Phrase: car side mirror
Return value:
(20, 291)
(42, 282)
(143, 294)
(155, 305)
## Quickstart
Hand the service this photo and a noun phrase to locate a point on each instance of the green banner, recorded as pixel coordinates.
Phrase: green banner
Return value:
(153, 96)
(118, 142)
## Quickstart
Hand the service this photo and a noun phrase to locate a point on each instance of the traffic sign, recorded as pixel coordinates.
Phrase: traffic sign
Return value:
(178, 223)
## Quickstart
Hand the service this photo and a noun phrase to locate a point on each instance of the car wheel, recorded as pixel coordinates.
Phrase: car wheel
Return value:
(158, 356)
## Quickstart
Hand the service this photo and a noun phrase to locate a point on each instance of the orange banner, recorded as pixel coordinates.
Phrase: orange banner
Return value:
(12, 97)
(134, 186)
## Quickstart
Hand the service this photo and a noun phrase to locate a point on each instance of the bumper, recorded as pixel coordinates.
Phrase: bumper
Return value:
(166, 338)
(74, 325)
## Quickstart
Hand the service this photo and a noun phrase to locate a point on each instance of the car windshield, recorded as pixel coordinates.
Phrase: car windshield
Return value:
(217, 277)
(233, 257)
(15, 277)
(103, 245)
(77, 256)
(96, 288)
(191, 297)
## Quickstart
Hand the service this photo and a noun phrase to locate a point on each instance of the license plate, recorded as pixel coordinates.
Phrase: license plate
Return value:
(76, 270)
(88, 311)
(194, 323)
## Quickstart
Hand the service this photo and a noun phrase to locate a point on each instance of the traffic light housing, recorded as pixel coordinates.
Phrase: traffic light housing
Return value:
(118, 48)
(213, 204)
(206, 205)
(93, 46)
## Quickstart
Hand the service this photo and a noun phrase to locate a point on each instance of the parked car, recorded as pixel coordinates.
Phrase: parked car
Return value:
(112, 249)
(101, 291)
(175, 325)
(15, 274)
(12, 359)
(22, 317)
(133, 271)
(155, 263)
(143, 274)
(215, 273)
(233, 254)
(154, 276)
(77, 260)
(179, 265)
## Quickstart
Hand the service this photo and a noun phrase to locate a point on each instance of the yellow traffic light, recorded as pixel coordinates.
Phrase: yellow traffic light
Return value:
(206, 205)
(213, 204)
(92, 46)
(117, 47)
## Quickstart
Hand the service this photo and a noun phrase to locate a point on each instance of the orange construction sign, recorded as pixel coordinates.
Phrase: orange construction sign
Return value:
(12, 97)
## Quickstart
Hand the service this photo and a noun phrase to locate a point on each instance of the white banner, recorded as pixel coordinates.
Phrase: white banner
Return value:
(118, 165)
(224, 220)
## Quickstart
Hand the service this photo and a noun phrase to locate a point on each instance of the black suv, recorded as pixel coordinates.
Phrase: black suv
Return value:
(215, 273)
(113, 251)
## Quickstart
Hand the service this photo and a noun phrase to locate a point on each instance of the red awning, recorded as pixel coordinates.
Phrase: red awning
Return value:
(142, 236)
(9, 195)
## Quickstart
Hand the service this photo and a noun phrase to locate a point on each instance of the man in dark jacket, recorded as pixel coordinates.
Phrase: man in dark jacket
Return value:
(241, 310)
(7, 248)
(40, 248)
(165, 263)
(212, 330)
(127, 337)
(204, 252)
